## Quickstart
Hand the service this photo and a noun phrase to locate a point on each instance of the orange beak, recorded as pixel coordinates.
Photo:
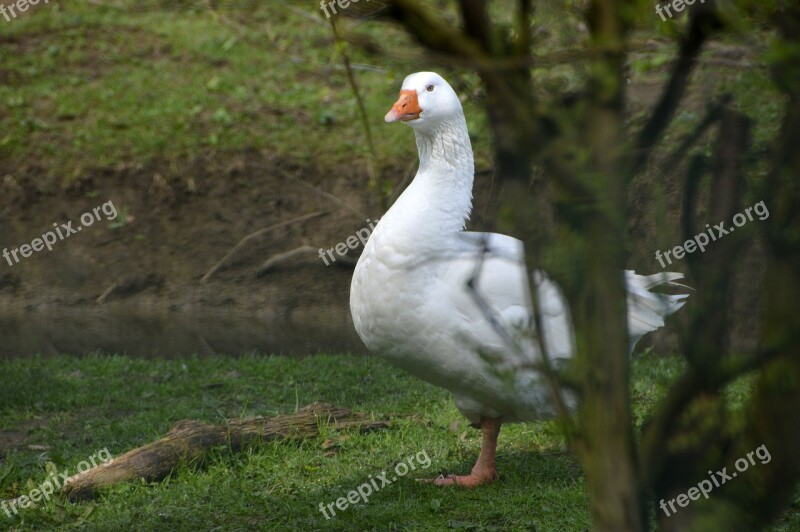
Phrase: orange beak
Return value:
(405, 108)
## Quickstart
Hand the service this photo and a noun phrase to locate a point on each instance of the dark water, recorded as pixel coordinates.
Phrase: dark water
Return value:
(170, 334)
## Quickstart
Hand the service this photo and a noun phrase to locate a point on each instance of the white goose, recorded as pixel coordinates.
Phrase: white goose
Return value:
(410, 301)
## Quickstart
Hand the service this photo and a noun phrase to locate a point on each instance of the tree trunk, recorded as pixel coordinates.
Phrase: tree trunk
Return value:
(600, 310)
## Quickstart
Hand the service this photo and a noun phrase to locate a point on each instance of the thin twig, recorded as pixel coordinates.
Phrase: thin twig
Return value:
(363, 67)
(305, 14)
(481, 303)
(235, 26)
(251, 236)
(546, 367)
(547, 364)
(675, 88)
(109, 290)
(375, 180)
(280, 257)
(691, 139)
(689, 386)
(328, 195)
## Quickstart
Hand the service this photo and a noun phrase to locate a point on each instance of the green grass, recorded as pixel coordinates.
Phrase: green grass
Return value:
(78, 406)
(81, 405)
(90, 87)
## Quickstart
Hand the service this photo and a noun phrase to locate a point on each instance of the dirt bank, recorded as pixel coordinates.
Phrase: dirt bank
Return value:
(135, 284)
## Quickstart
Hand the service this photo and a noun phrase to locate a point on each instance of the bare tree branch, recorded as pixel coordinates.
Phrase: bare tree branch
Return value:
(702, 24)
(253, 235)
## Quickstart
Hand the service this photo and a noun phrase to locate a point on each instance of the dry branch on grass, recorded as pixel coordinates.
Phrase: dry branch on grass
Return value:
(189, 441)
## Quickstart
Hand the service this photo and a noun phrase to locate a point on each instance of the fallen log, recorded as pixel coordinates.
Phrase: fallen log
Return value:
(189, 441)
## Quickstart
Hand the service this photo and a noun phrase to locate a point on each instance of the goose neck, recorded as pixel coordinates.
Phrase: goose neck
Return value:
(445, 146)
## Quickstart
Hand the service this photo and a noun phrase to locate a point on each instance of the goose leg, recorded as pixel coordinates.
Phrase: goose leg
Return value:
(484, 471)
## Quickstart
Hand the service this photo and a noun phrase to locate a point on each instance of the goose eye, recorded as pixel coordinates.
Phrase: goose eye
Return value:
(429, 88)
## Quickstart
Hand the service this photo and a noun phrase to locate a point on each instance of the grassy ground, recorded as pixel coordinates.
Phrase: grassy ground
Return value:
(78, 406)
(88, 87)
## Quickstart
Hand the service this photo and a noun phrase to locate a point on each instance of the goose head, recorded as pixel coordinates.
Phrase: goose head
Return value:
(425, 99)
